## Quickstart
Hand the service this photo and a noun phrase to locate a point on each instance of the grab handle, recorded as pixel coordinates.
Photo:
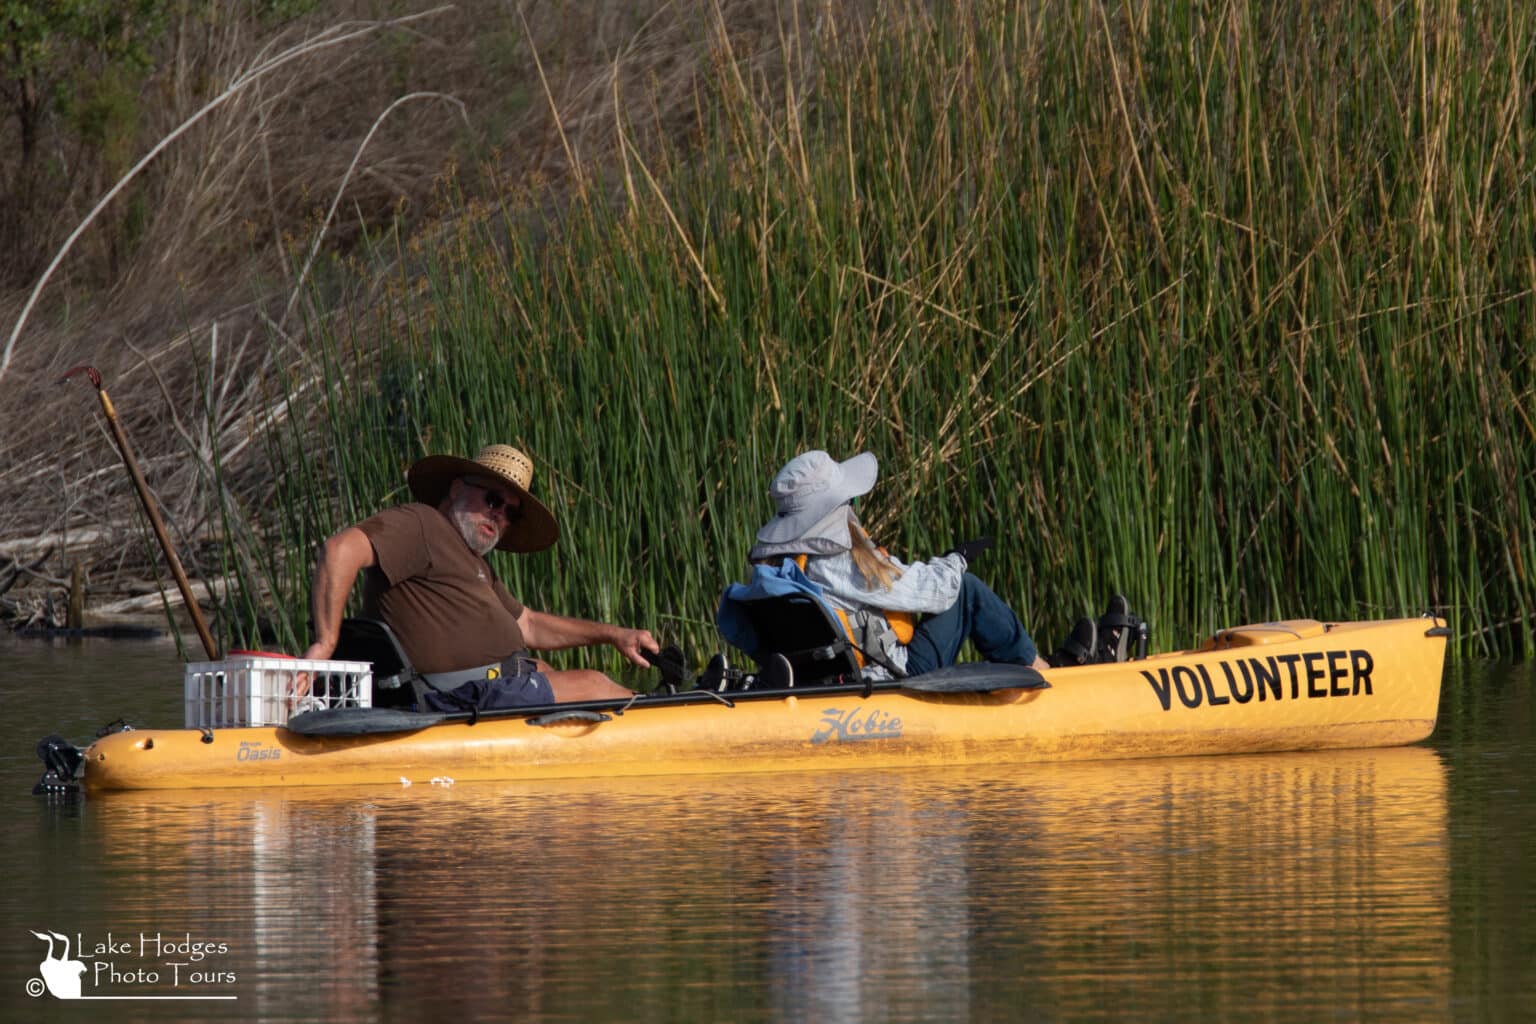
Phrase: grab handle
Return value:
(573, 715)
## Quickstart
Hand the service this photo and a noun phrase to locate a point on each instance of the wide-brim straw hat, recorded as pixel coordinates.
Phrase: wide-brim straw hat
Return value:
(534, 528)
(811, 487)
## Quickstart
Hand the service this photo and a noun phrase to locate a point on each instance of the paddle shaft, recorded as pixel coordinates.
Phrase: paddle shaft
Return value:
(150, 509)
(1028, 679)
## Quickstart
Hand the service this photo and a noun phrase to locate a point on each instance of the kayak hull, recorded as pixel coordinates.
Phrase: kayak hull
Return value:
(1298, 685)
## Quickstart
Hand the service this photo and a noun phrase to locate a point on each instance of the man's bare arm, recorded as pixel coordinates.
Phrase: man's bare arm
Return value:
(545, 632)
(342, 557)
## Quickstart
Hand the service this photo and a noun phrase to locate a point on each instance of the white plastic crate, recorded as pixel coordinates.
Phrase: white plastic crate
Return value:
(252, 690)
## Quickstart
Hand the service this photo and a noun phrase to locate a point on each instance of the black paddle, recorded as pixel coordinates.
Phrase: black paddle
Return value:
(975, 677)
(363, 721)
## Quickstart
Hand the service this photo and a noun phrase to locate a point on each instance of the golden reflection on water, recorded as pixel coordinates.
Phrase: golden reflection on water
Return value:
(1277, 884)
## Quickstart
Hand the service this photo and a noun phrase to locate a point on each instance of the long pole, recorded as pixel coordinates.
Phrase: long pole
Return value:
(150, 509)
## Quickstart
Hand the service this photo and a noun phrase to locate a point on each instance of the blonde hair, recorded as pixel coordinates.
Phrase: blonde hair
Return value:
(873, 563)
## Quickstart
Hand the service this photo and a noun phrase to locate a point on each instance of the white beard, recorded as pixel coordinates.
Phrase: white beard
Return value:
(469, 529)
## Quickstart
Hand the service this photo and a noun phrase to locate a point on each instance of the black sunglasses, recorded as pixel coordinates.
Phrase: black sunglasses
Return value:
(496, 501)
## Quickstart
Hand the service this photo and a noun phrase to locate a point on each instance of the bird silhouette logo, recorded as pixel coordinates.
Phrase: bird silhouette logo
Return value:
(61, 975)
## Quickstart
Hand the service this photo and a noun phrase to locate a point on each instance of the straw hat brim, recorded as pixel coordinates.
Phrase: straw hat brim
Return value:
(535, 528)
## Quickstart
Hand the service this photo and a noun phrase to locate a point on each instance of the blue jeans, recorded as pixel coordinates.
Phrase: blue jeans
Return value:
(978, 615)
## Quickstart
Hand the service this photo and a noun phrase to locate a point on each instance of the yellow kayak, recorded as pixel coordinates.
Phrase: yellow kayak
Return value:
(1279, 686)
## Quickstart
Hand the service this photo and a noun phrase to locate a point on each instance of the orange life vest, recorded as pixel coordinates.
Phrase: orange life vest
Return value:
(902, 623)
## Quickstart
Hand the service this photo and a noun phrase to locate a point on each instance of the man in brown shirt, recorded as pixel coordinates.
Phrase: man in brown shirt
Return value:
(425, 575)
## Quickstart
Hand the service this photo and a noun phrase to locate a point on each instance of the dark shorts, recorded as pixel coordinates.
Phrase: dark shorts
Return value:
(519, 686)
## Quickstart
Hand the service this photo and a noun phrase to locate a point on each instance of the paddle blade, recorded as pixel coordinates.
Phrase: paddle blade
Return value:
(977, 677)
(359, 721)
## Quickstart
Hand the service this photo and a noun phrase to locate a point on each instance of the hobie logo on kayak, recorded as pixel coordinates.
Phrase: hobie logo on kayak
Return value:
(143, 966)
(256, 751)
(1317, 674)
(853, 724)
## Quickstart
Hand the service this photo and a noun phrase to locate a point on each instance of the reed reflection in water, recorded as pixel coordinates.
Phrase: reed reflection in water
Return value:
(1310, 884)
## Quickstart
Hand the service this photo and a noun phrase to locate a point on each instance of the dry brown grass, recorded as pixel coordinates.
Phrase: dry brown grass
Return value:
(184, 290)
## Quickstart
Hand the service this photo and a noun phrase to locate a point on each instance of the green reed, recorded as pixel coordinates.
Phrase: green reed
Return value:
(1222, 307)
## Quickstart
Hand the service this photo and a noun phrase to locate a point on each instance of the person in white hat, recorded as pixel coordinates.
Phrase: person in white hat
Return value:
(931, 607)
(425, 576)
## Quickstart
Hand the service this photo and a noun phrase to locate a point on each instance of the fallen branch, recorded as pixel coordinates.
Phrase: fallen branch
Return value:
(16, 569)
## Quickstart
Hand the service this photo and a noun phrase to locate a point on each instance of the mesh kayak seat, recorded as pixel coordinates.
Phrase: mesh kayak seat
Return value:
(801, 630)
(396, 682)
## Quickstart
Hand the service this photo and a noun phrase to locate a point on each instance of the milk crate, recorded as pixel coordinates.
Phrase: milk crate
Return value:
(251, 690)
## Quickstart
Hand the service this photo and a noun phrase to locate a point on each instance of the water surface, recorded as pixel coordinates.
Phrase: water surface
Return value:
(1388, 884)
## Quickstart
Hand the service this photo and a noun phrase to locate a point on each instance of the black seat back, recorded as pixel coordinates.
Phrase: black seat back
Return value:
(802, 629)
(393, 674)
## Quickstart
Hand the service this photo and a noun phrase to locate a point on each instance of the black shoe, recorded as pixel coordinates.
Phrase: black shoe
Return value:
(1080, 645)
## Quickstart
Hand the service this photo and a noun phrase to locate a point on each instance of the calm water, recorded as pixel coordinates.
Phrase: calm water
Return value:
(1390, 884)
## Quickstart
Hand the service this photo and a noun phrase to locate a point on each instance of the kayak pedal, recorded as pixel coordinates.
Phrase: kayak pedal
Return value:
(715, 674)
(777, 673)
(670, 661)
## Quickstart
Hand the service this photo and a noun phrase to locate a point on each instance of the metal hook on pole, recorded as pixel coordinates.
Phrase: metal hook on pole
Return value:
(182, 583)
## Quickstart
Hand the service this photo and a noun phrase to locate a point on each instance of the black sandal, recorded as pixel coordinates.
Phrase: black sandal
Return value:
(1115, 631)
(1080, 646)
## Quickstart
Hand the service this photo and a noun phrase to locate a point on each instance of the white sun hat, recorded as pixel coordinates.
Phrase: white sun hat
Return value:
(810, 493)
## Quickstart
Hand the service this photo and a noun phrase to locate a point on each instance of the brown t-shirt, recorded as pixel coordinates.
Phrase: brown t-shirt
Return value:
(441, 599)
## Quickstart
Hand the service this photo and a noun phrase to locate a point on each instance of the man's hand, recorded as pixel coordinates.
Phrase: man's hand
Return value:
(630, 642)
(318, 651)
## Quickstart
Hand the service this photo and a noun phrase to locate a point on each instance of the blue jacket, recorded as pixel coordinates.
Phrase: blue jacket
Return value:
(767, 581)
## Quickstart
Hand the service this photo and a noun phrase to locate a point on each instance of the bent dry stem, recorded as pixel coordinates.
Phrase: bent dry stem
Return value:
(151, 510)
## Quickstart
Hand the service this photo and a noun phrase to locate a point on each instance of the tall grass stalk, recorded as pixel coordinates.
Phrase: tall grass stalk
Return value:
(1224, 308)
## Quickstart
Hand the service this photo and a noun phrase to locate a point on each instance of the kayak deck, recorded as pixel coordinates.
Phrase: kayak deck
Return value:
(1298, 685)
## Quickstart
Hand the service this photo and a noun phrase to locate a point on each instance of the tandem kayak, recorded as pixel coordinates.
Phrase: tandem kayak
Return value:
(1278, 686)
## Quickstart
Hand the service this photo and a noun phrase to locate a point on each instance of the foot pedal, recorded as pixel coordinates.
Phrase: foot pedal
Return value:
(777, 673)
(714, 677)
(669, 662)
